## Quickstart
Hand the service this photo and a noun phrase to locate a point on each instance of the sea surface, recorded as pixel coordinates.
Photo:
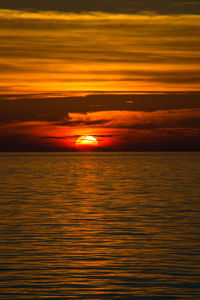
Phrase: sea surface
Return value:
(100, 226)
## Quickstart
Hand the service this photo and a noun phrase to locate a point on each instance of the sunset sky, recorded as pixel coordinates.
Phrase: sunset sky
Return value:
(126, 72)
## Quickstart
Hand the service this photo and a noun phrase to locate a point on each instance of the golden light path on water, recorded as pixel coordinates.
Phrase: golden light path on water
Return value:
(99, 226)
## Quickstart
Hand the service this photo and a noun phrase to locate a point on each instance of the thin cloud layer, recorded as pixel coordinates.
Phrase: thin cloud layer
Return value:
(180, 118)
(51, 52)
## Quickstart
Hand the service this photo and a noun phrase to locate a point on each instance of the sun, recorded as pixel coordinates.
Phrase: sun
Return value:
(86, 140)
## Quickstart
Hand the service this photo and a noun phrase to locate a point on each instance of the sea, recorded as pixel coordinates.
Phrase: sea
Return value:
(100, 226)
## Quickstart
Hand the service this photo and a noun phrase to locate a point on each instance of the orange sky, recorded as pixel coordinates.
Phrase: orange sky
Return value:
(66, 52)
(139, 70)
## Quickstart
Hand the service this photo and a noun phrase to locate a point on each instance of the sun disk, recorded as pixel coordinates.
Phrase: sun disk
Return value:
(86, 140)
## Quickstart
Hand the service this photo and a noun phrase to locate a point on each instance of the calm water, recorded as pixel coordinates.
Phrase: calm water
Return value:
(100, 226)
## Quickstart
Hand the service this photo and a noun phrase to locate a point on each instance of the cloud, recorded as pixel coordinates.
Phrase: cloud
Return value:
(182, 118)
(162, 120)
(55, 110)
(64, 52)
(76, 136)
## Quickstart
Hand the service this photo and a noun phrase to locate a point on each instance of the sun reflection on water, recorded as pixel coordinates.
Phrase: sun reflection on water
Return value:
(99, 226)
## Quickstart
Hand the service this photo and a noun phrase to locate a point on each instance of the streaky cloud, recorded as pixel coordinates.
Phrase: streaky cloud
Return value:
(98, 51)
(179, 118)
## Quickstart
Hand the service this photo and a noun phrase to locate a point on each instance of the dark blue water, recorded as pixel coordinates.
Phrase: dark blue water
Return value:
(100, 226)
